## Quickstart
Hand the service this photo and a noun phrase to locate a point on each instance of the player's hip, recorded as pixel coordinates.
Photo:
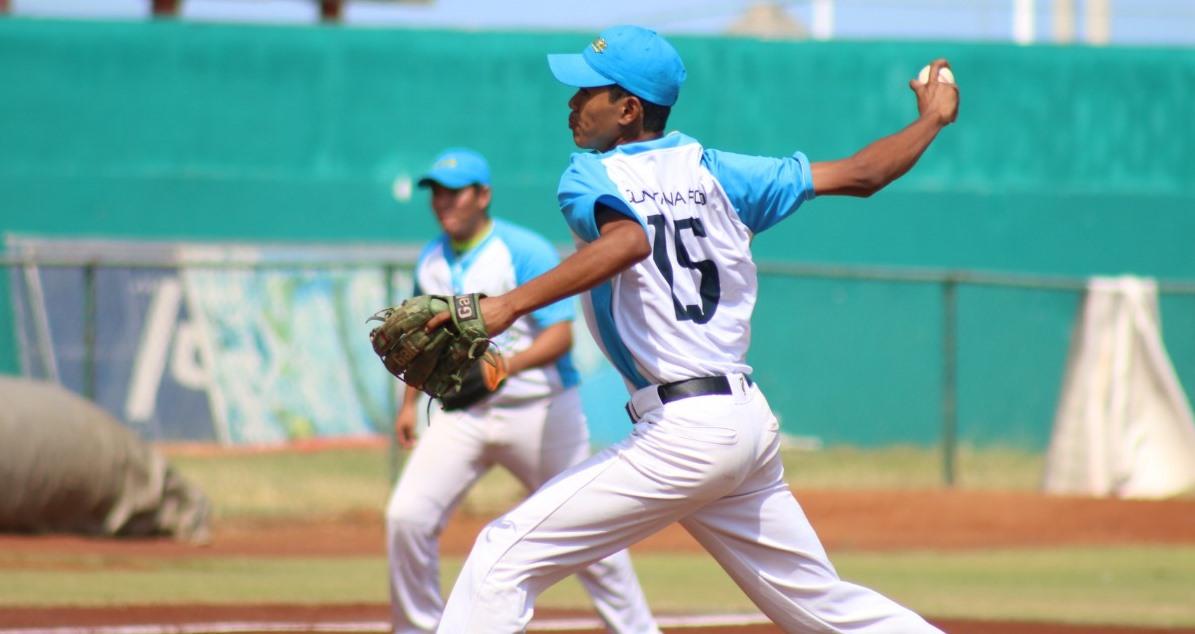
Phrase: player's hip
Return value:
(704, 446)
(731, 389)
(725, 409)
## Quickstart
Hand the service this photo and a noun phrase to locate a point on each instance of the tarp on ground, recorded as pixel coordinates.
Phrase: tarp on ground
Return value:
(68, 466)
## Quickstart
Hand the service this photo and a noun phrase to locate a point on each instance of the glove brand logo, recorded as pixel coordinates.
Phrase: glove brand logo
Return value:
(599, 45)
(464, 307)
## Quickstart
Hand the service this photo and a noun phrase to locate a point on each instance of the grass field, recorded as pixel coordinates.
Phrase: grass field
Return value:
(346, 481)
(1132, 585)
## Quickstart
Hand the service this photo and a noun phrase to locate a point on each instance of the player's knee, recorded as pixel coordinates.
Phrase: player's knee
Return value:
(492, 544)
(411, 521)
(498, 535)
(604, 568)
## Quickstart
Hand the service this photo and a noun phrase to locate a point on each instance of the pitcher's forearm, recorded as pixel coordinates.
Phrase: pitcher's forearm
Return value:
(891, 157)
(879, 163)
(622, 244)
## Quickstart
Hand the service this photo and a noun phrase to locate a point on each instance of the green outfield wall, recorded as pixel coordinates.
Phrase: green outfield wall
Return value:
(1065, 161)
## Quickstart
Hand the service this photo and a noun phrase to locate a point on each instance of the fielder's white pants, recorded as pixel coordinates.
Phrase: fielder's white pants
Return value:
(534, 440)
(711, 463)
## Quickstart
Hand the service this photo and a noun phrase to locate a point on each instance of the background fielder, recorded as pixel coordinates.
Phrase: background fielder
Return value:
(666, 227)
(532, 425)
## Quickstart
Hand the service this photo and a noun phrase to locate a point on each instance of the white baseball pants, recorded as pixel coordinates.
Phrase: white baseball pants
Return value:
(709, 462)
(534, 441)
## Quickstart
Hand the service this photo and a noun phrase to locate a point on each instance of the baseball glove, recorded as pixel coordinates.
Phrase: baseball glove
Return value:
(481, 380)
(435, 362)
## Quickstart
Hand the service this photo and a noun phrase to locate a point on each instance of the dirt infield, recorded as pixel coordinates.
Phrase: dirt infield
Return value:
(855, 520)
(846, 520)
(171, 619)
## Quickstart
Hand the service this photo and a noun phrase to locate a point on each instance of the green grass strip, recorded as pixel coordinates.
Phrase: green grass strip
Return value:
(1129, 586)
(1132, 585)
(286, 484)
(347, 481)
(909, 467)
(95, 581)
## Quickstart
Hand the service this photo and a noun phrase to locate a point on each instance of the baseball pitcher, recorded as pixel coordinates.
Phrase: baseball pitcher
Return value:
(665, 227)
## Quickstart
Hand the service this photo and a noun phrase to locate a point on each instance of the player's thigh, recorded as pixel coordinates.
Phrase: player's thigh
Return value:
(579, 517)
(671, 465)
(590, 510)
(764, 541)
(759, 521)
(759, 533)
(448, 459)
(550, 436)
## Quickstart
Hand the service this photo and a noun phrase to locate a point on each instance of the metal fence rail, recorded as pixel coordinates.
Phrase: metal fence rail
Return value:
(948, 281)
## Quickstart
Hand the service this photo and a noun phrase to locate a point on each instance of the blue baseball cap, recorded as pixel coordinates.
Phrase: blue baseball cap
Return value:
(457, 167)
(638, 59)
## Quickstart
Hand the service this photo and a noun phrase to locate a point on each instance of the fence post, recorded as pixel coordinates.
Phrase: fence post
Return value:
(89, 316)
(949, 378)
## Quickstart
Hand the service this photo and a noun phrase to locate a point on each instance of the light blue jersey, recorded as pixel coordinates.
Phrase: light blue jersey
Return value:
(509, 256)
(685, 312)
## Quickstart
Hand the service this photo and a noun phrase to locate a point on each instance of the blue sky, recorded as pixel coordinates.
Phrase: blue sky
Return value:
(1149, 22)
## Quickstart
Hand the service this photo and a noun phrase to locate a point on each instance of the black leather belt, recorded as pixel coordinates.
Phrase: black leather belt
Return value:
(702, 386)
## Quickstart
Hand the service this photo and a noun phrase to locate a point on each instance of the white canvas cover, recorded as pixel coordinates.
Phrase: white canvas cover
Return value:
(1123, 427)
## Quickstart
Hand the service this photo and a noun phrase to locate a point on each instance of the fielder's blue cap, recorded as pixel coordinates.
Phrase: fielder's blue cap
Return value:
(456, 168)
(638, 59)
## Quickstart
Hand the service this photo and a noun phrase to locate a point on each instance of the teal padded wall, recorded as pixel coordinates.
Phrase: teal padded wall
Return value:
(1073, 161)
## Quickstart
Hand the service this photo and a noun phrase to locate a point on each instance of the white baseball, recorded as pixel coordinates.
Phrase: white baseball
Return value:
(944, 75)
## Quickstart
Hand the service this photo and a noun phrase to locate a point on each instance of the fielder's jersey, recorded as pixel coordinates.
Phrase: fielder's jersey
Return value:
(684, 312)
(509, 256)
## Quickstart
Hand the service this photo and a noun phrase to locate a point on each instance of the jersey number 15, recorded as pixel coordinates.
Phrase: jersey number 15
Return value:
(708, 287)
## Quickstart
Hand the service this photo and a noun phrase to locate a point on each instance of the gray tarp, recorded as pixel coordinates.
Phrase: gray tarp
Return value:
(67, 466)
